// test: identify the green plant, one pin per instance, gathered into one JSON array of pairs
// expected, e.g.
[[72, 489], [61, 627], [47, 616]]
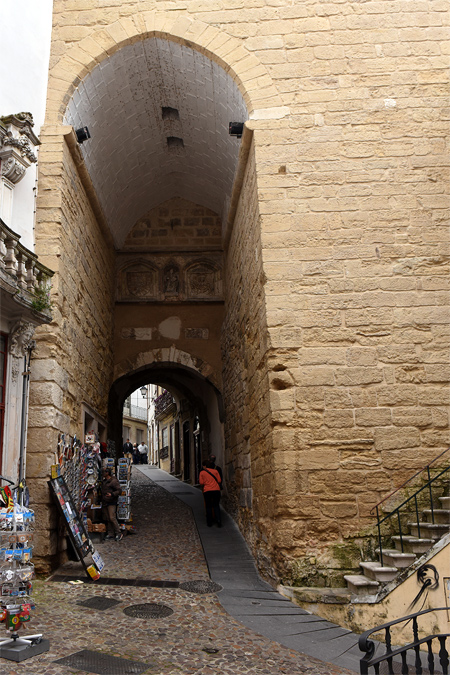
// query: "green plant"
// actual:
[[41, 301]]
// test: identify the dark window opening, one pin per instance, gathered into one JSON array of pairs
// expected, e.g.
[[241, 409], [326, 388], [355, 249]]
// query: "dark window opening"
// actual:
[[170, 113], [174, 142]]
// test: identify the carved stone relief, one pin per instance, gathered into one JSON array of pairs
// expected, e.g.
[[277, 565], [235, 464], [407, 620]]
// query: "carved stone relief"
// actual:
[[174, 278], [138, 281], [17, 143], [12, 170], [196, 333], [171, 280], [200, 281], [20, 339]]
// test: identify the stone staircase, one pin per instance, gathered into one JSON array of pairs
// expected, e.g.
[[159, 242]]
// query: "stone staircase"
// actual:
[[374, 575]]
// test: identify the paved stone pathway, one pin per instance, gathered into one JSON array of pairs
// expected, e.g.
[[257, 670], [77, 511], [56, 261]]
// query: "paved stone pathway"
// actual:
[[199, 638]]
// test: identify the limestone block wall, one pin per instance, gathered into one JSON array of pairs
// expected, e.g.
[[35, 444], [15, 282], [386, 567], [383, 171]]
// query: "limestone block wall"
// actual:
[[251, 482], [176, 225], [344, 223], [73, 360]]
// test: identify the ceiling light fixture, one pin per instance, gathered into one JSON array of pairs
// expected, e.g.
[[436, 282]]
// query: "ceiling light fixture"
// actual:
[[82, 134]]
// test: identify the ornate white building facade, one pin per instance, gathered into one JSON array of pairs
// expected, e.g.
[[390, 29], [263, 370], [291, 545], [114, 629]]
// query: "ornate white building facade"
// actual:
[[24, 282]]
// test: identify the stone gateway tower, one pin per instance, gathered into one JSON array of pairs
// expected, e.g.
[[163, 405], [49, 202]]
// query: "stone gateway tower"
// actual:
[[292, 283]]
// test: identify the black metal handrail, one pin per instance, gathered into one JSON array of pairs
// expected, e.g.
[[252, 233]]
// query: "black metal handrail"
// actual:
[[396, 512], [399, 655], [400, 487]]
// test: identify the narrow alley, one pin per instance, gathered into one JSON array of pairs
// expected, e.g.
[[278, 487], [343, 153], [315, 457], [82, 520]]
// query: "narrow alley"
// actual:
[[188, 631]]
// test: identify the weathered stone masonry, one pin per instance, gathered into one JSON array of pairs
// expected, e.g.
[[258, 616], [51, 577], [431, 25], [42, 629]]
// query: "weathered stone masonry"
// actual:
[[73, 362], [335, 338]]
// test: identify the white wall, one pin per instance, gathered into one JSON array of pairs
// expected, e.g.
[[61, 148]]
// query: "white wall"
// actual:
[[138, 400], [25, 31]]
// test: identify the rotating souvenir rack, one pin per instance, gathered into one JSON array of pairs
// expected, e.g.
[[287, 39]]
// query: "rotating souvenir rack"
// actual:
[[16, 574]]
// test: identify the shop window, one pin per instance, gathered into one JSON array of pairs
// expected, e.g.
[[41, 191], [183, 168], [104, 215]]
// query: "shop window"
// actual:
[[164, 452], [3, 361]]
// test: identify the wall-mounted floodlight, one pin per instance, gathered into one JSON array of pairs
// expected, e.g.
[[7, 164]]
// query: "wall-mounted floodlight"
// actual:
[[82, 134], [236, 129]]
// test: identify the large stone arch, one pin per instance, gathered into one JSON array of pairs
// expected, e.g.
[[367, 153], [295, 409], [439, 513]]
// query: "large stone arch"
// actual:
[[183, 375], [168, 357], [251, 76]]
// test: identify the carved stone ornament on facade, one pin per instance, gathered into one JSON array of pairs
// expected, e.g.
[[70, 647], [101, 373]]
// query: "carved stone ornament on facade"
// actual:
[[12, 169], [140, 283], [22, 144], [17, 143], [171, 280], [201, 281], [21, 338]]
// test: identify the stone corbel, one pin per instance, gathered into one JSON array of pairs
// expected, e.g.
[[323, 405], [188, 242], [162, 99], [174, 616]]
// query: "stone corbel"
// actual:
[[17, 143], [13, 169], [20, 340]]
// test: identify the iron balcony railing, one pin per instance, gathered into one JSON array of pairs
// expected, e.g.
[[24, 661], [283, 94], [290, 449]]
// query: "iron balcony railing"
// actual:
[[428, 654], [425, 491], [163, 402]]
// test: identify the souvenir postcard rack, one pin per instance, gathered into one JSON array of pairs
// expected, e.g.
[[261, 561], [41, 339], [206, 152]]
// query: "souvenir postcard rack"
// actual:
[[124, 478], [80, 465], [16, 574], [75, 528]]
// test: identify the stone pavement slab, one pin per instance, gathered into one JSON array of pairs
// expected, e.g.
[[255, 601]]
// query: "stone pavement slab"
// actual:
[[200, 637], [231, 565]]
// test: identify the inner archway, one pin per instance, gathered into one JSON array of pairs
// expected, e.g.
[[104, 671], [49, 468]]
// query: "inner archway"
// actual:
[[198, 416]]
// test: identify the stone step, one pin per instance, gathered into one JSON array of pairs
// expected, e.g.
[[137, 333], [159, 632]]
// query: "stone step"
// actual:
[[413, 544], [396, 558], [359, 584], [429, 530], [441, 516], [445, 502], [374, 571]]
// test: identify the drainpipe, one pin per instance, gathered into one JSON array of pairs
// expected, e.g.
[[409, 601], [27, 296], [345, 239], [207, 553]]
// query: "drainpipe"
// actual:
[[24, 414]]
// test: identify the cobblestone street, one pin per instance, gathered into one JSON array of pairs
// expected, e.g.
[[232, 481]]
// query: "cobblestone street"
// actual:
[[198, 638]]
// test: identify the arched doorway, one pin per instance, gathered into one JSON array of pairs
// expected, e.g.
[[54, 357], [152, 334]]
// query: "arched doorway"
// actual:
[[199, 412], [147, 232]]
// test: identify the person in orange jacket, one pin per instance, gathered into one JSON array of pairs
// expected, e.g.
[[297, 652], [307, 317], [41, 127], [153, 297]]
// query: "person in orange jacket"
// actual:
[[211, 484]]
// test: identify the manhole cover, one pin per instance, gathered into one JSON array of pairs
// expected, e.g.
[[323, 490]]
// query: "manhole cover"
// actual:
[[102, 664], [201, 586], [148, 610], [98, 602]]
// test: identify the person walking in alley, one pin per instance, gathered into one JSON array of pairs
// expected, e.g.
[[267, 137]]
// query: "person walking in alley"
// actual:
[[211, 484], [143, 452], [128, 448], [110, 494], [136, 455], [212, 458]]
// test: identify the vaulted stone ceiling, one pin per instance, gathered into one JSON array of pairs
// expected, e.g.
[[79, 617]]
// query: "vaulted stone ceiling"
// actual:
[[158, 115]]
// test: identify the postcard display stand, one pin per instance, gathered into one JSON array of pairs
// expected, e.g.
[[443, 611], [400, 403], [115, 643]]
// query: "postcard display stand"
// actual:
[[75, 528], [124, 501], [16, 573]]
